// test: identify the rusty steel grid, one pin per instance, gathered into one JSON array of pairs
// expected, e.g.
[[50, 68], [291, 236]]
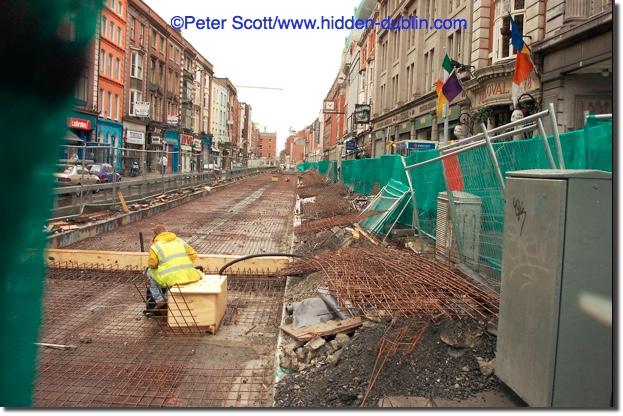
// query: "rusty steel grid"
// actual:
[[115, 357], [328, 223], [255, 300], [252, 216], [401, 336], [386, 281]]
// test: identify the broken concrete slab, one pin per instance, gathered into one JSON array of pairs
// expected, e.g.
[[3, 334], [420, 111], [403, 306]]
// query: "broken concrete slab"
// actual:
[[341, 340], [315, 343], [460, 337], [456, 352], [487, 367]]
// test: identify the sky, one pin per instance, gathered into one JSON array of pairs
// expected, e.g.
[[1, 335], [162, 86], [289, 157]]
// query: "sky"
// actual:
[[302, 62]]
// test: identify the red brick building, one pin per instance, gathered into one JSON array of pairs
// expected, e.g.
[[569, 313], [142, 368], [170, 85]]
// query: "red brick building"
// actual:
[[267, 145]]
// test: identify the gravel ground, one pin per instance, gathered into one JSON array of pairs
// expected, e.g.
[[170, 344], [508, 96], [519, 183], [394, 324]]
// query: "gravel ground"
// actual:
[[429, 371]]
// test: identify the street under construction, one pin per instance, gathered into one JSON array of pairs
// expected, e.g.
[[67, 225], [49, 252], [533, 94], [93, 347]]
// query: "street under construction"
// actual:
[[98, 350]]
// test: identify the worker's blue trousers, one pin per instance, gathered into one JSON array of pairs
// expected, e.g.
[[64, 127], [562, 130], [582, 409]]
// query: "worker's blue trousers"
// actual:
[[157, 292]]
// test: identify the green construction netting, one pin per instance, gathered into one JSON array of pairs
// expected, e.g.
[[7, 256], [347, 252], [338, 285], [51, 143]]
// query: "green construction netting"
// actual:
[[586, 148], [391, 201], [38, 101]]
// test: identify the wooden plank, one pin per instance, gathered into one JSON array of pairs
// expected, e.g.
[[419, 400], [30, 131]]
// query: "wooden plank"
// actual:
[[136, 260], [366, 235], [124, 206], [306, 333]]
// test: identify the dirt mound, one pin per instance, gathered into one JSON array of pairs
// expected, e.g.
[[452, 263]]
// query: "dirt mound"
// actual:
[[433, 370]]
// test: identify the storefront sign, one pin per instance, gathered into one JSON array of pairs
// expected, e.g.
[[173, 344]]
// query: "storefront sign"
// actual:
[[135, 137], [172, 120], [141, 108], [186, 139], [493, 91], [156, 140], [197, 145], [79, 123], [362, 113], [424, 121], [351, 146]]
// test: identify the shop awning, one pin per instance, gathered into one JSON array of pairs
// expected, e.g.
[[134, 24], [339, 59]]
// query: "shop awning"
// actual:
[[73, 137]]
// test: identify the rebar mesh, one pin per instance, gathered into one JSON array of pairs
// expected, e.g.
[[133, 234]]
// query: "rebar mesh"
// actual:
[[116, 357], [399, 283]]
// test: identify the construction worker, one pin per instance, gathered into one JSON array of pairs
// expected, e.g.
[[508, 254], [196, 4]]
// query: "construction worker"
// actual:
[[170, 263]]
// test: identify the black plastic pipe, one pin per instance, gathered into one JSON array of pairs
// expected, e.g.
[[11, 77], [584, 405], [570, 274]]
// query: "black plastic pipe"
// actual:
[[231, 263]]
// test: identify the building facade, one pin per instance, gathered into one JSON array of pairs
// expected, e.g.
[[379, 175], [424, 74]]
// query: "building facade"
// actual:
[[111, 64], [267, 145], [136, 104], [576, 58], [220, 113]]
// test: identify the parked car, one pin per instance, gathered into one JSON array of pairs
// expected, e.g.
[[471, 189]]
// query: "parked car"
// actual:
[[76, 175], [104, 171]]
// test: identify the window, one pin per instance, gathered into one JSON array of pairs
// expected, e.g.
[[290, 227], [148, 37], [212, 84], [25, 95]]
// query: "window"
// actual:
[[103, 26], [152, 70], [117, 67], [109, 114], [110, 65], [396, 34], [411, 80], [112, 4], [102, 60], [136, 69], [135, 96], [132, 27], [459, 43], [431, 69], [101, 103], [161, 44], [111, 31], [153, 38], [82, 87], [425, 89], [116, 108], [142, 38], [502, 28], [120, 8], [119, 36]]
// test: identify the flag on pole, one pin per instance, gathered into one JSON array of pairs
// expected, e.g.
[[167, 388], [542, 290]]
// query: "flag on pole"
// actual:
[[446, 70], [448, 86], [523, 62]]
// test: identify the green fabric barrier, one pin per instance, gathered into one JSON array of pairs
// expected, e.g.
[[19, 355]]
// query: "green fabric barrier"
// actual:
[[586, 148], [34, 120]]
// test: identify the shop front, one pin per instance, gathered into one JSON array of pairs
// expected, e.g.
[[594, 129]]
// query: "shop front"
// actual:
[[81, 132], [197, 156], [490, 93], [172, 142], [110, 133], [134, 146], [186, 152], [154, 146], [206, 152]]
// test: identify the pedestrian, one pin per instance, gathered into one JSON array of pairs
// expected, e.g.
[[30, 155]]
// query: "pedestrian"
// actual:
[[192, 165], [170, 263], [163, 164]]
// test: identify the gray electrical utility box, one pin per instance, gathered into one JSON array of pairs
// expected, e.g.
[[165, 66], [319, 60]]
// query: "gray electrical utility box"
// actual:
[[557, 246]]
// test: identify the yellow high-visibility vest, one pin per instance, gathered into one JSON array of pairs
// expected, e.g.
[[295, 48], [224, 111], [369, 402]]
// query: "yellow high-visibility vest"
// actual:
[[174, 265]]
